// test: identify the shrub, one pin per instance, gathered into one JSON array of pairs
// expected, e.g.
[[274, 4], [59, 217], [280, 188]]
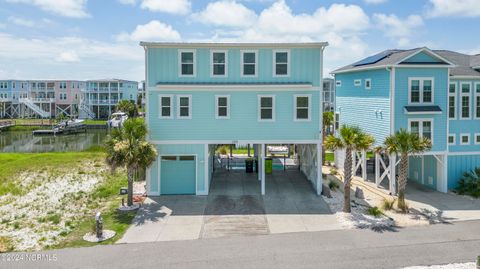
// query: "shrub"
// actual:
[[333, 185], [375, 211], [387, 204], [54, 218], [403, 206], [333, 171], [6, 244], [469, 184], [223, 150]]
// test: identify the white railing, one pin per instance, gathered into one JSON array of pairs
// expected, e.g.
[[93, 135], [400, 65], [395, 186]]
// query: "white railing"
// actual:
[[29, 103], [43, 100], [85, 109]]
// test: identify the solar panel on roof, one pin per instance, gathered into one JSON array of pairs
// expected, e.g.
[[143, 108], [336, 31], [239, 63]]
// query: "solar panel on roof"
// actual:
[[373, 59]]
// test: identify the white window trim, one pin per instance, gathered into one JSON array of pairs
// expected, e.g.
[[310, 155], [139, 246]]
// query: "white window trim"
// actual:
[[475, 138], [189, 96], [275, 63], [469, 95], [309, 96], [454, 139], [259, 109], [160, 106], [461, 140], [370, 83], [194, 63], [211, 63], [218, 117], [241, 63], [454, 95], [357, 82], [420, 126], [475, 96], [421, 81], [338, 83]]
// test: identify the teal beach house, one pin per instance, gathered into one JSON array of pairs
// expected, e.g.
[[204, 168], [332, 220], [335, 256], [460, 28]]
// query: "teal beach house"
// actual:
[[200, 95], [435, 93]]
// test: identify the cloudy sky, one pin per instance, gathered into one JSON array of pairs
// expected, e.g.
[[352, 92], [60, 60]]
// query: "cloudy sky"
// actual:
[[88, 39]]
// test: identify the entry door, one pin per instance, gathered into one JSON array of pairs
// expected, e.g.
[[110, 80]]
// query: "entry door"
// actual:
[[177, 175]]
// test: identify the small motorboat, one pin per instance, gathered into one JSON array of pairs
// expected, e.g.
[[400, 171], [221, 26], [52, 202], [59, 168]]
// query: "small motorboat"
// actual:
[[117, 119]]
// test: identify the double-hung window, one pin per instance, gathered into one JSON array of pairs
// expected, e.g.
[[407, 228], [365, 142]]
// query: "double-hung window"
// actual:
[[281, 63], [266, 108], [302, 107], [187, 63], [420, 90], [464, 139], [219, 63], [222, 106], [166, 106], [477, 100], [184, 106], [452, 94], [451, 139], [249, 63], [465, 100], [422, 127]]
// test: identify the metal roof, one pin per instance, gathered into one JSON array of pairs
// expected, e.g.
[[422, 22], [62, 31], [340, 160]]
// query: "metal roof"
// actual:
[[232, 45]]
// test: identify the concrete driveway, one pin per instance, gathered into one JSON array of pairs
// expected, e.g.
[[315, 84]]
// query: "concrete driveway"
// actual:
[[234, 207]]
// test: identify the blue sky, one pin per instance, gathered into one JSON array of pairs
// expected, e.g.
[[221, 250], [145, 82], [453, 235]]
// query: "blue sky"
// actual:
[[88, 39]]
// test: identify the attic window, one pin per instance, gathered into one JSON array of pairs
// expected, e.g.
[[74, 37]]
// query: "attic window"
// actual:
[[368, 84], [338, 83]]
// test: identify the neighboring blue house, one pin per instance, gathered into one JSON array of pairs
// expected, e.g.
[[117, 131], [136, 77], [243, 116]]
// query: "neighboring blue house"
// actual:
[[435, 93], [200, 95]]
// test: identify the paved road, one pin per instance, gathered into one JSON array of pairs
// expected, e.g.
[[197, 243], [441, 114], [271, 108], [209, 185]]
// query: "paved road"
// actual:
[[437, 244]]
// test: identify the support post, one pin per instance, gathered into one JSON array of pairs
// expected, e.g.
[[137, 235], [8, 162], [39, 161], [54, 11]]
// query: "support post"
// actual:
[[364, 164], [248, 147], [445, 174], [393, 176], [319, 169], [263, 168], [377, 169], [231, 150]]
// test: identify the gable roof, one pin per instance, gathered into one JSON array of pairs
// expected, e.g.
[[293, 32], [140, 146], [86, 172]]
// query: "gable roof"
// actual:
[[394, 57]]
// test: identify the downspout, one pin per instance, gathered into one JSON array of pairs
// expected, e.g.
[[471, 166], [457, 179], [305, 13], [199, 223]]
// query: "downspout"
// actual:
[[392, 99]]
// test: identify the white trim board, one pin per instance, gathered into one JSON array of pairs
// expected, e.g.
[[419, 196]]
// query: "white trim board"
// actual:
[[243, 142]]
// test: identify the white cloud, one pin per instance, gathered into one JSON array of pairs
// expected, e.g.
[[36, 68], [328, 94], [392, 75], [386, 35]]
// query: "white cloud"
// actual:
[[152, 31], [226, 13], [375, 2], [48, 57], [68, 57], [66, 8], [21, 21], [453, 8], [169, 6], [396, 28]]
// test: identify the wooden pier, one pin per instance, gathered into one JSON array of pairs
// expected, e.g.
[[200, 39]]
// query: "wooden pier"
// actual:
[[70, 129], [4, 124]]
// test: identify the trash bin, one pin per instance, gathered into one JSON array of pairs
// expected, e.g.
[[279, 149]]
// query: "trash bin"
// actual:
[[268, 165], [249, 165]]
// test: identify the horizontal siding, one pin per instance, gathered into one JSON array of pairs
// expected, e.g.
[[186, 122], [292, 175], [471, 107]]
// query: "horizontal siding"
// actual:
[[440, 76], [364, 113], [458, 165], [459, 126], [163, 67], [243, 123]]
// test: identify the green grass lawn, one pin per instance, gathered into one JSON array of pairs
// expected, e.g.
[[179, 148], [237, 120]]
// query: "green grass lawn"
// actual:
[[104, 196], [95, 122]]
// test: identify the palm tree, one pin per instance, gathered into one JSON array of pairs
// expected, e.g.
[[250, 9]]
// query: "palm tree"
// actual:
[[351, 139], [327, 123], [127, 147], [128, 106], [405, 143]]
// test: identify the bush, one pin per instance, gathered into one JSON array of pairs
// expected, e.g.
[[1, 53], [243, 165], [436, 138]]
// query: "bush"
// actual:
[[333, 171], [469, 184], [223, 150], [333, 185], [375, 211], [387, 204]]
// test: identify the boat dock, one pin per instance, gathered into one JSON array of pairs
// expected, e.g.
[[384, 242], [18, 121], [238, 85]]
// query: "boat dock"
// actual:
[[63, 129], [5, 124]]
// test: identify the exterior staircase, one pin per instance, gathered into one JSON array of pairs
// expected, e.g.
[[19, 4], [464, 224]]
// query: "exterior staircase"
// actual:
[[85, 112], [39, 111]]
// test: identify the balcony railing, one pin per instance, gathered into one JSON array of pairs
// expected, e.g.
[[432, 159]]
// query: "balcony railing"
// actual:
[[43, 100], [102, 102]]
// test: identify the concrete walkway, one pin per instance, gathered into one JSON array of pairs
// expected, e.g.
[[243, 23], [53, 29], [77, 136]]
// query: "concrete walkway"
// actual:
[[234, 207]]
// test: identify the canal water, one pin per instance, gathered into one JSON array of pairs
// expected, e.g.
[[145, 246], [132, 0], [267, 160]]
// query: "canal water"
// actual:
[[24, 141]]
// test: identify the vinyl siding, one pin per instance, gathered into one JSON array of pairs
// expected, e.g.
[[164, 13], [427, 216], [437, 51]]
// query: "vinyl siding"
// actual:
[[368, 109], [440, 76], [163, 67], [243, 123]]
